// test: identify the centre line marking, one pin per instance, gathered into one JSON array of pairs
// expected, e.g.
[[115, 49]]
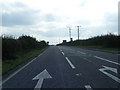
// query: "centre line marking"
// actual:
[[82, 52], [73, 67], [88, 87], [63, 53], [107, 60]]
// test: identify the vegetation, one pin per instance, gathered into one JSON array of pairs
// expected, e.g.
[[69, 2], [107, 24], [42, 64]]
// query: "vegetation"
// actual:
[[22, 57], [104, 41], [16, 51], [11, 46]]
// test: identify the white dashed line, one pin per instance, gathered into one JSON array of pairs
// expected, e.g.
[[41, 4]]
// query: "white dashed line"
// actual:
[[82, 52], [63, 53], [73, 67], [106, 60], [88, 87], [60, 49]]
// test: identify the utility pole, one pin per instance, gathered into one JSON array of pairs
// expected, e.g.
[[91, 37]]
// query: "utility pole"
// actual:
[[78, 31], [70, 33]]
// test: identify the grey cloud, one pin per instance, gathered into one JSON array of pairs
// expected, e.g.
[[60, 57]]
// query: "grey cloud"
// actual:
[[111, 21], [49, 17], [53, 18], [9, 6], [84, 3], [54, 33], [83, 22], [27, 17], [19, 4], [111, 17]]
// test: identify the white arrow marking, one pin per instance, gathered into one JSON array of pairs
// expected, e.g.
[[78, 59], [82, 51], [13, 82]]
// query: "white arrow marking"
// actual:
[[108, 74], [88, 87], [111, 69], [40, 77]]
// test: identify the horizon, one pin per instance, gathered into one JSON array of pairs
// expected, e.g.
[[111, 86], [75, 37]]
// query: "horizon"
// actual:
[[49, 20]]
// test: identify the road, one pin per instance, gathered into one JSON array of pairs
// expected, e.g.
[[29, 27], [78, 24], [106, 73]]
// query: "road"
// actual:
[[67, 67]]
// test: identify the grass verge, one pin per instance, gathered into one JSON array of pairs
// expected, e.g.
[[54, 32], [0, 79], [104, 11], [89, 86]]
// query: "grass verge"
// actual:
[[100, 47], [8, 65]]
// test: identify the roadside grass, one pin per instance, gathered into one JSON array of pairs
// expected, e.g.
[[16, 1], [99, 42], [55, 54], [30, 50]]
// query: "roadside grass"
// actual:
[[22, 57], [100, 47]]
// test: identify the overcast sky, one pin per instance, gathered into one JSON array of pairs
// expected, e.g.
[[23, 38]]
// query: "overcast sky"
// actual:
[[49, 19]]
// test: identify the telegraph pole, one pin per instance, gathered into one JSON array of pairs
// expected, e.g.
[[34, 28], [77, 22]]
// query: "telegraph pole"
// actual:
[[70, 33], [78, 31]]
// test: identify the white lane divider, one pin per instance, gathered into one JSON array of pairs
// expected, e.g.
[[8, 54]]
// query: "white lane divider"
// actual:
[[88, 87], [82, 52], [73, 67], [63, 53], [59, 48], [107, 60]]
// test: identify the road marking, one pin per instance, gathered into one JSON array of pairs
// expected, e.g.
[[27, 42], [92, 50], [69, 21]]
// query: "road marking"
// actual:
[[82, 52], [107, 60], [73, 67], [78, 74], [63, 53], [110, 75], [60, 49], [88, 87], [19, 70], [111, 69], [40, 77]]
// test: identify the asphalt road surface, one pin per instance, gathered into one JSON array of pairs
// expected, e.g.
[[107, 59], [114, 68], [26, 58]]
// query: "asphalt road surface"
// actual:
[[67, 67]]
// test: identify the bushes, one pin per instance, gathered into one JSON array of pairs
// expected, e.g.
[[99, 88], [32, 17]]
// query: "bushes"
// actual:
[[12, 46], [107, 41], [9, 48]]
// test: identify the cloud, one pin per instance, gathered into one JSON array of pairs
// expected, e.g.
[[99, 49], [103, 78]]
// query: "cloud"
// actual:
[[111, 21], [49, 20], [49, 17], [19, 15], [26, 17]]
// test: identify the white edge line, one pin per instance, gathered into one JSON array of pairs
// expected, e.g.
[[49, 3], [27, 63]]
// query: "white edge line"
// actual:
[[18, 70], [73, 67], [106, 60], [88, 87]]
